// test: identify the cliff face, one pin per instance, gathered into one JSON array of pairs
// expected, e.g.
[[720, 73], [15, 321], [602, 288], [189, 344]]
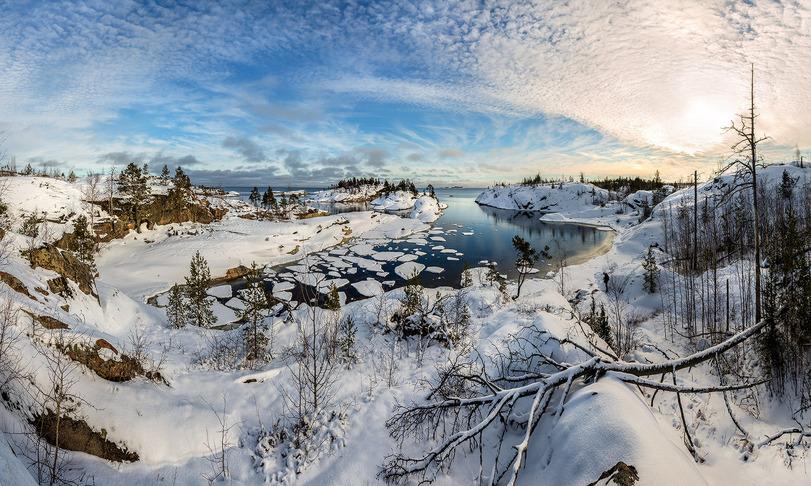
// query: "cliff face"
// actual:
[[66, 265], [177, 206]]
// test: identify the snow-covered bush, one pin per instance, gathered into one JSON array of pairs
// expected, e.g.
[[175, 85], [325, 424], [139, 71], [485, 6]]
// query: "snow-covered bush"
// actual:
[[283, 452]]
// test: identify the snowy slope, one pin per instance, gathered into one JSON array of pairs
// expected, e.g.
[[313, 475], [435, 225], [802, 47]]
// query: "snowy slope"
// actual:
[[561, 197], [338, 195]]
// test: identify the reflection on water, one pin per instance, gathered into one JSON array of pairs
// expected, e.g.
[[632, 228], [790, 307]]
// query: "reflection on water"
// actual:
[[478, 233], [494, 229]]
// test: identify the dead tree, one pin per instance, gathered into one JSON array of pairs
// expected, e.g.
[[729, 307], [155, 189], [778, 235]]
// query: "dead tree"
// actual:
[[469, 399], [745, 162]]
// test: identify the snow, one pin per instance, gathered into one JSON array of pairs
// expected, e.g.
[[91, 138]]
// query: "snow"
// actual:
[[387, 256], [608, 412], [339, 195], [220, 291], [566, 196], [368, 287], [142, 269], [603, 422], [408, 269]]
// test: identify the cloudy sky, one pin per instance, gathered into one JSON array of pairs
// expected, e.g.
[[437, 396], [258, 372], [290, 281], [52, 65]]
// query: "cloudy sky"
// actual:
[[471, 93]]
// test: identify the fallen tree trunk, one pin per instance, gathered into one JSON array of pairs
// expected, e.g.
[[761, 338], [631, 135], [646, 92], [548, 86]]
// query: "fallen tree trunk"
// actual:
[[466, 401]]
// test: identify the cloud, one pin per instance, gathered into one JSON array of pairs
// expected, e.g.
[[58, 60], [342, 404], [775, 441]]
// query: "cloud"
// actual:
[[374, 157], [605, 66], [122, 158], [155, 161], [160, 159], [45, 164], [450, 153], [368, 87], [245, 147]]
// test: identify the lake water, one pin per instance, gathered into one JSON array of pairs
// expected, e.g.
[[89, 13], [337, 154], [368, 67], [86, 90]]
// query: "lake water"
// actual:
[[465, 235]]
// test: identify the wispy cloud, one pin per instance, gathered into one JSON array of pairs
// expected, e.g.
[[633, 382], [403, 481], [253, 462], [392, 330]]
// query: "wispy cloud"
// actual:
[[289, 90]]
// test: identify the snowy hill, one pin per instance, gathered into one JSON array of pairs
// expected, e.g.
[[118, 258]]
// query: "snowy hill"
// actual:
[[560, 197], [363, 193], [423, 207], [172, 397]]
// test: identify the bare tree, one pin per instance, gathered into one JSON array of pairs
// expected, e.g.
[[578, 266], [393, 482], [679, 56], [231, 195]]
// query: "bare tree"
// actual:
[[746, 161], [92, 193], [467, 400], [57, 401], [110, 184], [314, 372], [218, 449], [9, 334]]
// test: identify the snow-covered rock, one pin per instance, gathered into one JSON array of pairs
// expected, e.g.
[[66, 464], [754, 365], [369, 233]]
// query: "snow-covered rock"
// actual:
[[566, 196], [363, 193], [427, 209], [424, 208]]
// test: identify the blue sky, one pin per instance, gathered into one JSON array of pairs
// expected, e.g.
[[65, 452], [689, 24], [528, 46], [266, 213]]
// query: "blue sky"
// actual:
[[469, 93]]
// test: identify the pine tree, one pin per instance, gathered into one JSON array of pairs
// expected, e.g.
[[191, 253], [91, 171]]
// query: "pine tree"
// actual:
[[84, 241], [254, 197], [72, 176], [199, 305], [333, 301], [498, 281], [346, 340], [176, 307], [165, 174], [527, 257], [270, 198], [651, 282], [256, 305], [181, 180], [467, 278], [30, 225], [787, 185], [787, 306], [132, 182]]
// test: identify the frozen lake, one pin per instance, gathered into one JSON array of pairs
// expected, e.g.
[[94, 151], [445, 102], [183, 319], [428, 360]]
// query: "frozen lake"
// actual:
[[466, 234]]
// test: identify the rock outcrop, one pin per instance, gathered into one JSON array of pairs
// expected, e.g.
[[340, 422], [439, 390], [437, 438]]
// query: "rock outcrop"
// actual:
[[66, 265], [77, 435]]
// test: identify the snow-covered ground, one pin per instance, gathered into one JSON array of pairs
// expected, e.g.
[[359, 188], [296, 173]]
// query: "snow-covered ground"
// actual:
[[421, 207], [173, 427], [363, 193], [563, 202]]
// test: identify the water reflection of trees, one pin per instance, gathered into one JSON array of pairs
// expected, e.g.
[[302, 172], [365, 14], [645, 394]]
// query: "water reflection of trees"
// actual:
[[528, 224]]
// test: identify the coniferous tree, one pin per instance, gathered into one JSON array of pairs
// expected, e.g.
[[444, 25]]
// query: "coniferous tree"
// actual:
[[346, 340], [256, 306], [787, 185], [270, 199], [165, 174], [254, 197], [72, 176], [527, 257], [651, 282], [176, 307], [181, 180], [84, 241], [787, 307], [333, 301], [599, 323], [199, 305], [132, 182]]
